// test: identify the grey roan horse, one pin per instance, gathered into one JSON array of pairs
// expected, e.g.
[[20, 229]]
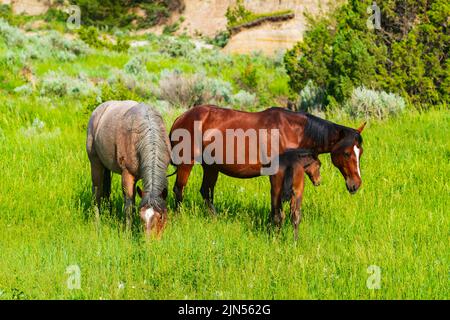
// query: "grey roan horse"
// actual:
[[129, 138]]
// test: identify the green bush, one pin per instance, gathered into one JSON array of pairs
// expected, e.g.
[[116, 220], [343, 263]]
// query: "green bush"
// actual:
[[220, 39], [117, 13], [91, 36], [106, 92], [172, 28], [249, 76], [238, 15], [6, 13], [155, 12], [409, 56], [54, 14]]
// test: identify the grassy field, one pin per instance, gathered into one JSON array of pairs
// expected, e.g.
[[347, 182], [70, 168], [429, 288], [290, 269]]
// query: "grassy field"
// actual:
[[398, 221]]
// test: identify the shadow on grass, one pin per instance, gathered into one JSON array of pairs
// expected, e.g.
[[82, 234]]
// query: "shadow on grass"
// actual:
[[111, 212], [253, 213]]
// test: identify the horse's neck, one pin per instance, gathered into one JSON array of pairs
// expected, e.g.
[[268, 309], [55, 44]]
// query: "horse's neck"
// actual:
[[324, 146]]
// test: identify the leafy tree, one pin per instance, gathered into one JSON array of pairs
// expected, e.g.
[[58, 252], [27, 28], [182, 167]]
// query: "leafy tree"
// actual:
[[408, 55], [117, 13]]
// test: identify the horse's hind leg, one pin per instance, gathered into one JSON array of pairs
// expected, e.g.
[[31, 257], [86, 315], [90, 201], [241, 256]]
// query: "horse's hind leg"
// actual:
[[207, 189], [183, 172], [129, 195], [97, 170], [107, 186], [97, 175]]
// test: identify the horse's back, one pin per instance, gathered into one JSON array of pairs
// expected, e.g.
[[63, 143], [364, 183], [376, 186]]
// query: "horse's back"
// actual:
[[212, 116], [104, 113], [105, 132]]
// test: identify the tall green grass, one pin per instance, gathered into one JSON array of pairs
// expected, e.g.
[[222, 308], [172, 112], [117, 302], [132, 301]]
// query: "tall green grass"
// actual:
[[398, 221]]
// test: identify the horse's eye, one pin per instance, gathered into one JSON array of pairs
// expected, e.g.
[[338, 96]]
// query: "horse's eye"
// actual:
[[347, 154]]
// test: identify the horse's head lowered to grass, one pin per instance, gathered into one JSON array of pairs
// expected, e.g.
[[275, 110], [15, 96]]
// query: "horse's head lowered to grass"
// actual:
[[153, 212], [343, 143]]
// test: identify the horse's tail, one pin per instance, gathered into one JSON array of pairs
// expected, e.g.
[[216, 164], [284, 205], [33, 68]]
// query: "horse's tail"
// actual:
[[286, 191]]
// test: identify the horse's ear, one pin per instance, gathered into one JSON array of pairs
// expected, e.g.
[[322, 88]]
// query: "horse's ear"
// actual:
[[361, 128], [139, 191]]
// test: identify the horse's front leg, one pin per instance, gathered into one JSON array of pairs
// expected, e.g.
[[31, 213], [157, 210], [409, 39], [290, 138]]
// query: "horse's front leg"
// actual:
[[276, 184], [183, 172], [296, 213], [296, 201], [207, 189], [129, 195]]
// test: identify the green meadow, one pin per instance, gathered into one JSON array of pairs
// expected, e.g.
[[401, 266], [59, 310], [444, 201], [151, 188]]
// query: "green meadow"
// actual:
[[388, 241], [398, 221]]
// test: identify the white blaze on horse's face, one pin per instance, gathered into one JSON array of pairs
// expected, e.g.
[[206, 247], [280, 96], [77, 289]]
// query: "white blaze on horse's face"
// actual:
[[149, 213], [357, 152]]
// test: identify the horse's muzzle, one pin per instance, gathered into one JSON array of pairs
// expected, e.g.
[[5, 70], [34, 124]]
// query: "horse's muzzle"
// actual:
[[352, 187]]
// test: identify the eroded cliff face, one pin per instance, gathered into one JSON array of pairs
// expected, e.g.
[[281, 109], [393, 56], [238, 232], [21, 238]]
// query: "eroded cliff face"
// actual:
[[207, 17], [30, 7]]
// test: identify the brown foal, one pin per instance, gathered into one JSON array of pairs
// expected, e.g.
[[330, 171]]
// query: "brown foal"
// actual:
[[289, 181]]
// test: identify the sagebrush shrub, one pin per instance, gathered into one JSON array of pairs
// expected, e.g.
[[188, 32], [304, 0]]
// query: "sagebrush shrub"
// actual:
[[244, 100], [13, 36], [25, 89], [41, 46], [59, 84], [211, 58], [312, 99], [183, 90], [366, 103], [176, 47], [135, 66], [180, 90], [135, 77]]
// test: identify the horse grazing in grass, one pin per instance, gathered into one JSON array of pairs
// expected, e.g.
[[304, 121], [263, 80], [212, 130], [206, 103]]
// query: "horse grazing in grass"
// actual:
[[295, 130], [129, 138], [288, 183]]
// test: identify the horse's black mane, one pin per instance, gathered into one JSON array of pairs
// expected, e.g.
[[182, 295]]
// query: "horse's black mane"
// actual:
[[321, 131]]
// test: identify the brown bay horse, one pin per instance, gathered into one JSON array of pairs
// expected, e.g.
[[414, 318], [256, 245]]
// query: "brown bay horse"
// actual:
[[295, 130], [288, 183], [129, 138]]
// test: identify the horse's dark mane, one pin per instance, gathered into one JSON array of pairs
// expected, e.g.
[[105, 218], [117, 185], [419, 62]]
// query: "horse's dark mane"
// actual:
[[319, 130], [322, 131], [291, 156]]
